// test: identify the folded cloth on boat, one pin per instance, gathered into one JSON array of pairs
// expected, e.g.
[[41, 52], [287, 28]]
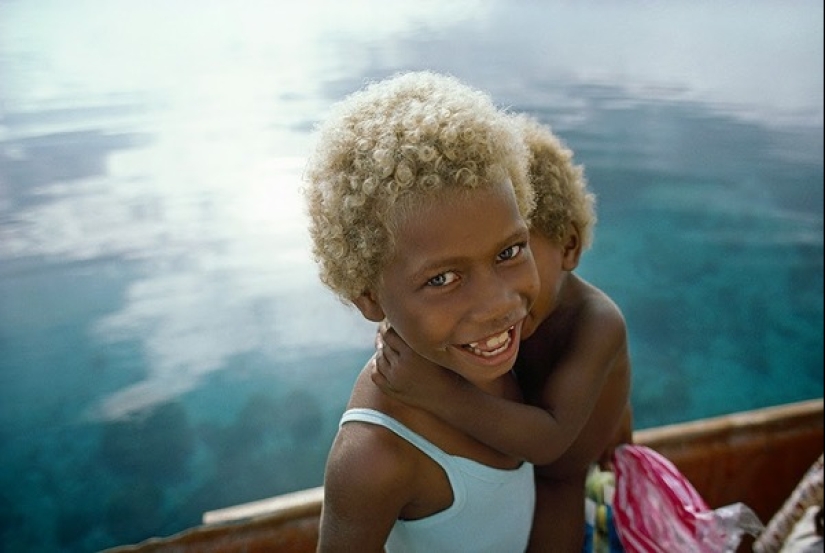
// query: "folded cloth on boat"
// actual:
[[808, 493], [806, 536]]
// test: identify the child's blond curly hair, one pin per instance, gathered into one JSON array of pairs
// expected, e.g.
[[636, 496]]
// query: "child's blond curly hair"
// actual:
[[561, 192], [388, 147]]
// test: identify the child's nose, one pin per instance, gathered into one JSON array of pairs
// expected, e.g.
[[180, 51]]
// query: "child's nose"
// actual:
[[497, 303]]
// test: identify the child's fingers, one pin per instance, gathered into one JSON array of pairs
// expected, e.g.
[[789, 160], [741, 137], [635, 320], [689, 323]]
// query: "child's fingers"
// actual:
[[383, 358], [377, 377], [378, 369], [383, 350], [392, 341], [387, 356]]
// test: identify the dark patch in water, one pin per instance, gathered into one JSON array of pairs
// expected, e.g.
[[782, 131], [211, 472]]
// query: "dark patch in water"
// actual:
[[134, 511], [155, 446]]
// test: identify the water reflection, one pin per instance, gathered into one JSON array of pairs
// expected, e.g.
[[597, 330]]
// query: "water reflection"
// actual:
[[156, 290]]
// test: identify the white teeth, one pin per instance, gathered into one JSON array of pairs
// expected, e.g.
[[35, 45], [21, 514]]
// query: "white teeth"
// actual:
[[494, 345], [493, 342]]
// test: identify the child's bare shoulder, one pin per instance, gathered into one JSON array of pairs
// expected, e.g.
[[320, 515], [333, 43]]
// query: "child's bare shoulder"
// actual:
[[599, 313], [371, 459], [368, 480]]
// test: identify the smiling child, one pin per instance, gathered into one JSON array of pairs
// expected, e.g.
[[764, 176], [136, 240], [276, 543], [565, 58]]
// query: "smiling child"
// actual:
[[418, 197]]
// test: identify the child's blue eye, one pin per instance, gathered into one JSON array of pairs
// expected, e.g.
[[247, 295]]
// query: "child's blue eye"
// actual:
[[511, 252], [443, 279]]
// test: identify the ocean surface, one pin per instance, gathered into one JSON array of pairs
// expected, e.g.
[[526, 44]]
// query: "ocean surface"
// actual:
[[165, 346]]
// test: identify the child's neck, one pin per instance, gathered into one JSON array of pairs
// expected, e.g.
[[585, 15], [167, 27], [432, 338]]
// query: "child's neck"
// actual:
[[505, 386]]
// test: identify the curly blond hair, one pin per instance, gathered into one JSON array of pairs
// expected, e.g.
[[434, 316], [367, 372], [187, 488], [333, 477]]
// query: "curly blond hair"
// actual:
[[561, 192], [387, 148]]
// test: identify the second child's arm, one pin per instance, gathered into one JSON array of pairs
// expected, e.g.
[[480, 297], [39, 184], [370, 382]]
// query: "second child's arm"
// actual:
[[623, 435], [538, 434], [511, 427]]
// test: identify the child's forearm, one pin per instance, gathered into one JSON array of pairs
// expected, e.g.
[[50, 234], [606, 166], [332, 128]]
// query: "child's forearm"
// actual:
[[523, 431]]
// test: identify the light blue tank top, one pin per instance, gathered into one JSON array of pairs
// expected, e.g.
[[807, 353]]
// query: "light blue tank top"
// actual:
[[492, 509]]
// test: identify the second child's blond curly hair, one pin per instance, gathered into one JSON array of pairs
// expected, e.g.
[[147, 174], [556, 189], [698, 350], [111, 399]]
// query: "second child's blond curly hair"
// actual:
[[561, 192], [389, 147]]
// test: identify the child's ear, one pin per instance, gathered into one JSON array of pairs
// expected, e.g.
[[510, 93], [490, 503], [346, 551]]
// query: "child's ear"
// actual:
[[572, 248], [369, 306]]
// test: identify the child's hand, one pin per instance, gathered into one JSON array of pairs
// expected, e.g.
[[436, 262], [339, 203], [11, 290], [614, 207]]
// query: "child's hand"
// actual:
[[404, 375]]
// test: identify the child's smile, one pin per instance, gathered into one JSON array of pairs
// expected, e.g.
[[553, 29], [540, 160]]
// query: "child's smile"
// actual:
[[493, 345]]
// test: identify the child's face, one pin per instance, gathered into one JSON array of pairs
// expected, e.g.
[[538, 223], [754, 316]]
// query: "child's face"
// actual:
[[460, 283]]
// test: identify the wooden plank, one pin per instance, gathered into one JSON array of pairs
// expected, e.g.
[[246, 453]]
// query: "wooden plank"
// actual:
[[303, 501], [755, 457]]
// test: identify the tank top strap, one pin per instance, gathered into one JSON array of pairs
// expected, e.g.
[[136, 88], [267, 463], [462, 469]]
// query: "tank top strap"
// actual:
[[382, 419]]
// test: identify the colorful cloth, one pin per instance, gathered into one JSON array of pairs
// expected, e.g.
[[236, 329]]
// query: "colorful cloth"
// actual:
[[600, 528]]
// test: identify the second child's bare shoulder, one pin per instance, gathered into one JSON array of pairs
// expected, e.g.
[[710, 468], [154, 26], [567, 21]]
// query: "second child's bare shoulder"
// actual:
[[600, 315]]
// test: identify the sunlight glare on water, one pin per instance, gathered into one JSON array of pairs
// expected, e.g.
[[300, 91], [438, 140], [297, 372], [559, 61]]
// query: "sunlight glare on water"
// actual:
[[205, 196]]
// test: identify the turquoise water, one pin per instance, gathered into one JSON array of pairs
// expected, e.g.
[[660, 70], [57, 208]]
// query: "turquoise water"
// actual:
[[165, 347]]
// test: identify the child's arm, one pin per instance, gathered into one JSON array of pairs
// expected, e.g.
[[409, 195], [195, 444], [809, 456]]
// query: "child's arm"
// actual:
[[623, 435], [366, 484], [539, 434], [508, 426]]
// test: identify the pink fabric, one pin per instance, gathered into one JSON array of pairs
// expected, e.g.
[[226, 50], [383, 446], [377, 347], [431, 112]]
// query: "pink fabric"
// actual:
[[656, 508]]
